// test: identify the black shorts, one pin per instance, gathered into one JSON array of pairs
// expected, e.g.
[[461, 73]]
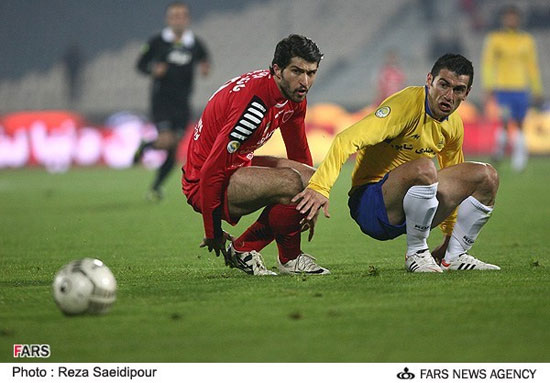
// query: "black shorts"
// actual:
[[170, 114]]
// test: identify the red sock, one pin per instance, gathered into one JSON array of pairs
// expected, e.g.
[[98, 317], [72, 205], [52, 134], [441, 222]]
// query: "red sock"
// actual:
[[284, 221], [257, 236]]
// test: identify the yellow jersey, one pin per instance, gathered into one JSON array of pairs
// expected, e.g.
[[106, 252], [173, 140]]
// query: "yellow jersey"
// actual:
[[509, 62], [399, 131]]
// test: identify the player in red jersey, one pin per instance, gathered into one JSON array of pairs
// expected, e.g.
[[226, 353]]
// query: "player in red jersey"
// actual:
[[223, 180]]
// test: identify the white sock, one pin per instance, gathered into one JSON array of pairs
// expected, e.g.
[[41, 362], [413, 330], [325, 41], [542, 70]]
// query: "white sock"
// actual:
[[501, 139], [419, 204], [472, 215], [520, 153]]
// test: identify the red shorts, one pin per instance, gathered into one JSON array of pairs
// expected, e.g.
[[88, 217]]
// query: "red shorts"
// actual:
[[191, 189]]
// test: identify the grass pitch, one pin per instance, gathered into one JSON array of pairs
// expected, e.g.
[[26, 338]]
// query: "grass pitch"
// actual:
[[178, 303]]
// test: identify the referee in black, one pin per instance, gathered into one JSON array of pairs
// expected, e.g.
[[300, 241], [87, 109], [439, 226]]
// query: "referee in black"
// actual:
[[170, 59]]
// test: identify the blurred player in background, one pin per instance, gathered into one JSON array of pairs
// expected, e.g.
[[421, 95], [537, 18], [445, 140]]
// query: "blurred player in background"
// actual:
[[73, 63], [170, 59], [391, 77], [396, 187], [511, 75], [223, 180]]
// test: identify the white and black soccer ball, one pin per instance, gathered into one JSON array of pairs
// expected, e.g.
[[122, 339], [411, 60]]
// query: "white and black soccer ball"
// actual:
[[84, 286]]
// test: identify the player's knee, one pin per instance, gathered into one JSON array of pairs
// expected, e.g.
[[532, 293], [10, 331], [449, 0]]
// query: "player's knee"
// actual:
[[166, 141], [487, 181], [490, 179], [306, 173], [291, 184], [424, 172], [162, 144]]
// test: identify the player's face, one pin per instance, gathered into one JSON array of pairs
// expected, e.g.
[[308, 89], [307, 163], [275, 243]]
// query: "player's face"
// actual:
[[510, 20], [177, 18], [446, 92], [296, 78]]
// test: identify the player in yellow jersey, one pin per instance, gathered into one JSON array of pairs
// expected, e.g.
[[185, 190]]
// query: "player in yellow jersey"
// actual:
[[396, 187], [510, 74]]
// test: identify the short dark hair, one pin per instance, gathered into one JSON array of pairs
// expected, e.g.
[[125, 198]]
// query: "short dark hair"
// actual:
[[510, 8], [455, 63], [295, 46], [176, 4]]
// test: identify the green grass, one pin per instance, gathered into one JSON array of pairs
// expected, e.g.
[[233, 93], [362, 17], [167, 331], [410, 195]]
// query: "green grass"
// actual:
[[178, 303]]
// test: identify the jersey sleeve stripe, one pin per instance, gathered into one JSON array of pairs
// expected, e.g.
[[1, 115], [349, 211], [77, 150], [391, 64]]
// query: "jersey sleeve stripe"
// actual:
[[249, 121], [243, 130], [252, 118], [259, 106], [256, 112], [247, 124], [238, 136]]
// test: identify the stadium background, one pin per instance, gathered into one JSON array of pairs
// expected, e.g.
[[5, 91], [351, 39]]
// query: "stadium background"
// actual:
[[107, 37]]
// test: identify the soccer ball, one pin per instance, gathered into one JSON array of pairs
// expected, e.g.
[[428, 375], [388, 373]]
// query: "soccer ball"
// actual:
[[84, 286]]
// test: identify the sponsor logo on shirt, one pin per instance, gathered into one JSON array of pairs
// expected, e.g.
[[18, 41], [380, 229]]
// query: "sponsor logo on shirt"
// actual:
[[179, 58]]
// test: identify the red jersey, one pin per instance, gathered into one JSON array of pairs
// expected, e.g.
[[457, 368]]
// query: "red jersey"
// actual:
[[390, 80], [238, 119]]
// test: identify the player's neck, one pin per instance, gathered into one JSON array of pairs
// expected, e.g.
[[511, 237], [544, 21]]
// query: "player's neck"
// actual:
[[178, 35]]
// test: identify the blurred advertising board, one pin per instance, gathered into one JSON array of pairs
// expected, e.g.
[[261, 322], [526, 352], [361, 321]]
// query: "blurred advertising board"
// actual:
[[59, 139]]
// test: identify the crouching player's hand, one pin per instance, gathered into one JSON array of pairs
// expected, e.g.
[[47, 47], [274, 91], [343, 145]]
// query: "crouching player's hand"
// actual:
[[309, 225], [309, 202], [217, 244]]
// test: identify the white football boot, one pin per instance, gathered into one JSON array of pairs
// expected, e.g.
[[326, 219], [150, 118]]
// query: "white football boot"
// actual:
[[422, 262], [303, 264], [467, 262], [251, 262]]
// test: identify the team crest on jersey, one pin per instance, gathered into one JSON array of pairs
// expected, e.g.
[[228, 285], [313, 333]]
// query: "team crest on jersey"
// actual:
[[382, 112], [233, 146], [286, 115]]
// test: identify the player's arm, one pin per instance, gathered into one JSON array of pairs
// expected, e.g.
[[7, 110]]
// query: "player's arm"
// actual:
[[213, 176], [297, 149], [488, 66], [316, 195], [294, 137], [533, 71], [203, 56], [213, 180], [212, 183], [451, 155], [204, 67], [369, 131], [147, 63], [145, 59]]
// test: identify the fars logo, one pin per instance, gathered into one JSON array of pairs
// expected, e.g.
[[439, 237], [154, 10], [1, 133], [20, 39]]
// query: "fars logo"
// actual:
[[405, 374], [31, 351]]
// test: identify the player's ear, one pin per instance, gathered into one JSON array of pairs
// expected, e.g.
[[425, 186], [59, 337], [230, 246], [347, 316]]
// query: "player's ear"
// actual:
[[277, 71], [429, 79]]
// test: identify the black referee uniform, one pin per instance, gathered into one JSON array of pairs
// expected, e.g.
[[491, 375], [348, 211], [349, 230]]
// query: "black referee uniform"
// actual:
[[170, 93]]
